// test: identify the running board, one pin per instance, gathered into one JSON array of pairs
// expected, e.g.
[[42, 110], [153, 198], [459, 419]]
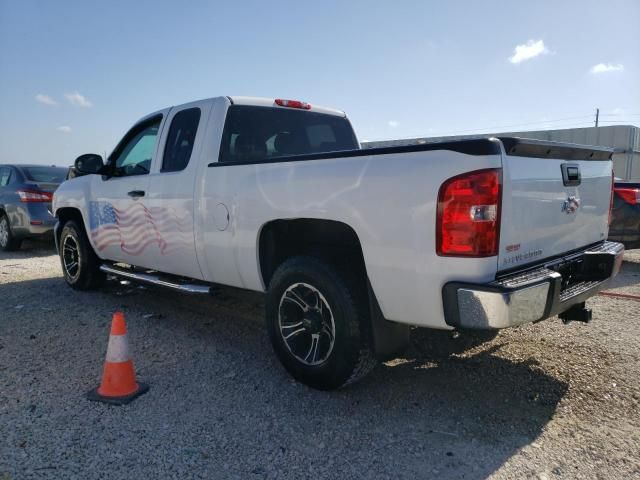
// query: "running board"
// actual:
[[155, 279]]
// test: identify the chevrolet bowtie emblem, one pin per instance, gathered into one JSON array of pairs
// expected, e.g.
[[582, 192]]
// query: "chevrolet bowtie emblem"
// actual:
[[571, 205]]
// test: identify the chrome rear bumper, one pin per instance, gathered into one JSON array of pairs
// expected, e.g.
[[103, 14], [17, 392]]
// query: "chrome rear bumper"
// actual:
[[535, 294]]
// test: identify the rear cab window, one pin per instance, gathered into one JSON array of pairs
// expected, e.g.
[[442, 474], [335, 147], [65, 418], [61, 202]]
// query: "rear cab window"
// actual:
[[259, 134]]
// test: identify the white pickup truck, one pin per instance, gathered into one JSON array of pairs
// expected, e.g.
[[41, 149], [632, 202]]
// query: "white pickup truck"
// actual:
[[351, 247]]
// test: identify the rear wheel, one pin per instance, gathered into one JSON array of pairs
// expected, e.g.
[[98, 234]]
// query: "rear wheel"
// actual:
[[8, 242], [80, 264], [314, 319]]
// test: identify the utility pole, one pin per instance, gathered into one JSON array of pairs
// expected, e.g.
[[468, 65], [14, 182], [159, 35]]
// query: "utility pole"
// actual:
[[597, 115]]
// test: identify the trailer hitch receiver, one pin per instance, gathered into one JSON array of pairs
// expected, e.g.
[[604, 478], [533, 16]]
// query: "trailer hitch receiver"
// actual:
[[577, 313]]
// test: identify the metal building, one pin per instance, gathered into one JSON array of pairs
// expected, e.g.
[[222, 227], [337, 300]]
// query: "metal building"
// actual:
[[625, 139]]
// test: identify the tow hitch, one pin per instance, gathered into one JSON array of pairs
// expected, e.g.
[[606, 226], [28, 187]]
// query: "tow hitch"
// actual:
[[577, 313]]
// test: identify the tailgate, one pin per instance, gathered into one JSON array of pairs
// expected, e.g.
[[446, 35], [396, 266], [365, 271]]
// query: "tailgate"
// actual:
[[556, 199]]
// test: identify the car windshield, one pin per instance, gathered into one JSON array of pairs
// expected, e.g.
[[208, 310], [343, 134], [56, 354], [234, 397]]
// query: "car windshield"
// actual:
[[255, 134], [45, 174]]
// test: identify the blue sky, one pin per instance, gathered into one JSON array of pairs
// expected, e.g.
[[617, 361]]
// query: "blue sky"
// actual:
[[74, 75]]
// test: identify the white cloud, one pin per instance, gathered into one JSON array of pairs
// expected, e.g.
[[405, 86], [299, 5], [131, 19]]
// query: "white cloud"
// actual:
[[78, 100], [45, 99], [393, 123], [607, 67], [527, 51], [64, 129]]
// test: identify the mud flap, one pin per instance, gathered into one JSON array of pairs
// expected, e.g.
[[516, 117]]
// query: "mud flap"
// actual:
[[388, 339]]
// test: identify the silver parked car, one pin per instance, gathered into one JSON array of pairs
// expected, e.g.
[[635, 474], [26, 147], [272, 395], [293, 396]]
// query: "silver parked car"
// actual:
[[26, 192]]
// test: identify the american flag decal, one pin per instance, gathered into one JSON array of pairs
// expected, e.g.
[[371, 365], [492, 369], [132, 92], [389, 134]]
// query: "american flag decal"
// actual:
[[136, 227]]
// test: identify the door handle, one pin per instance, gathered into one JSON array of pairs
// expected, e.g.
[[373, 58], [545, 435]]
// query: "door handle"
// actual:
[[136, 193], [571, 176]]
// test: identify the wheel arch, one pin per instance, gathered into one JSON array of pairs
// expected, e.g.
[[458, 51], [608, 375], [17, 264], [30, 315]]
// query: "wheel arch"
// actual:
[[280, 239], [338, 243], [64, 215]]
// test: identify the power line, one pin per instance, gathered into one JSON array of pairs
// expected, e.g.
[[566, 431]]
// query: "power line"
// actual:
[[554, 123], [542, 122], [488, 130], [563, 123], [618, 121]]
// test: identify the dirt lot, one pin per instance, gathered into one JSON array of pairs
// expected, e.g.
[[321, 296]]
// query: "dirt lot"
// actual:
[[543, 401]]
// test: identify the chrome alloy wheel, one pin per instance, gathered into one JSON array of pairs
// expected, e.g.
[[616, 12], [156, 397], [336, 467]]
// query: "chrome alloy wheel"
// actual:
[[306, 324], [4, 232], [71, 257]]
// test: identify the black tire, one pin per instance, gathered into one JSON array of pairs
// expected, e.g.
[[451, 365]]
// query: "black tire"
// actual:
[[350, 357], [8, 243], [86, 275]]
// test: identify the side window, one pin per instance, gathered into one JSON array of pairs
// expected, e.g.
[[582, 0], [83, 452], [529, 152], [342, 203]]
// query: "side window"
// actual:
[[134, 153], [5, 174], [182, 134]]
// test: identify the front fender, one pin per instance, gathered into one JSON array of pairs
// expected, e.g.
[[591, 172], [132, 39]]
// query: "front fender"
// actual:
[[74, 193], [73, 197]]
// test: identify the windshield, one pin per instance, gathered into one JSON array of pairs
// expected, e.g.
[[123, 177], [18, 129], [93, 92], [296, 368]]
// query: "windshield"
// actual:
[[256, 134], [45, 174]]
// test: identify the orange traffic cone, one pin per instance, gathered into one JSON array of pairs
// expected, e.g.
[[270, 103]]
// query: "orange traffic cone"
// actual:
[[119, 384]]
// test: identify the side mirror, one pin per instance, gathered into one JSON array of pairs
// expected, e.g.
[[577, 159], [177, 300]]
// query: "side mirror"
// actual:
[[88, 164]]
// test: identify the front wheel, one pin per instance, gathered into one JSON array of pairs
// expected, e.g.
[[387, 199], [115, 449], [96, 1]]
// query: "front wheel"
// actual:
[[314, 318], [80, 264]]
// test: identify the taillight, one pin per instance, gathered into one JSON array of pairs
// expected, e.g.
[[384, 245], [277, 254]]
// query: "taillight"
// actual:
[[29, 196], [629, 195], [293, 104], [468, 218]]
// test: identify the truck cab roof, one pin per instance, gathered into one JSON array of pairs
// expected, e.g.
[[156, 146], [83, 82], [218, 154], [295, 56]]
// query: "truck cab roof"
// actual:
[[251, 101], [271, 102]]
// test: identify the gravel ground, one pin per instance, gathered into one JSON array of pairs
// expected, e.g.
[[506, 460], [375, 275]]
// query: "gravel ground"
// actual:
[[542, 401]]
